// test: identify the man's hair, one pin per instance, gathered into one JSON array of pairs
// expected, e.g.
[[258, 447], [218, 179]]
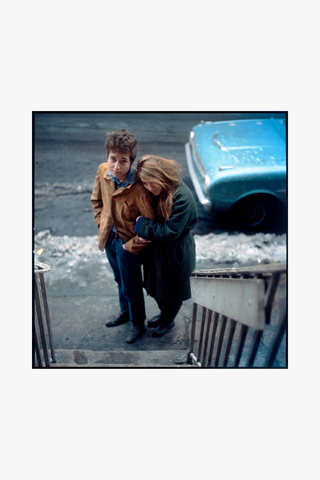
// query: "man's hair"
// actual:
[[122, 141]]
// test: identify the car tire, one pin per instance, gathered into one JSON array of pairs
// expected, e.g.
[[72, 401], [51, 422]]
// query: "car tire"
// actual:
[[254, 211]]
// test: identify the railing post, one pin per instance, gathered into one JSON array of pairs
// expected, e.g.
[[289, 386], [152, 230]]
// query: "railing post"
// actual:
[[204, 313], [278, 335], [39, 270], [223, 327], [193, 330], [46, 309], [207, 337], [213, 336], [40, 322]]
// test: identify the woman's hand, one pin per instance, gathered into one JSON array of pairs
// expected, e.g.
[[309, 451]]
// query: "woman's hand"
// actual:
[[142, 240]]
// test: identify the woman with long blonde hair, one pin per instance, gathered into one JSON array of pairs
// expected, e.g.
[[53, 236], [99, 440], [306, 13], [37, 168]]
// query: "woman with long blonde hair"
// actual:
[[170, 257]]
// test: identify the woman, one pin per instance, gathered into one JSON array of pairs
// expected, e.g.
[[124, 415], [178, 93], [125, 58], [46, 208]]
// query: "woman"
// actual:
[[117, 198], [170, 257]]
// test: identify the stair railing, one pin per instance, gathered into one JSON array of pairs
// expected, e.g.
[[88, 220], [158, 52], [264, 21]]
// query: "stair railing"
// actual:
[[40, 327], [246, 297]]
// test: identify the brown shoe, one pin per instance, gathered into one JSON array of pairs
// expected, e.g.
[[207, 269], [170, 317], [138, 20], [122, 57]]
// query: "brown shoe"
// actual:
[[122, 317]]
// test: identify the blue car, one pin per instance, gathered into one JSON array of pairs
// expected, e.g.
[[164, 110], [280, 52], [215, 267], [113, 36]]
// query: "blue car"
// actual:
[[240, 167]]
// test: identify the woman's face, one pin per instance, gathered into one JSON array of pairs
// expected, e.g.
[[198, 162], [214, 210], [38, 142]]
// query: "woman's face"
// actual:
[[119, 164], [153, 187]]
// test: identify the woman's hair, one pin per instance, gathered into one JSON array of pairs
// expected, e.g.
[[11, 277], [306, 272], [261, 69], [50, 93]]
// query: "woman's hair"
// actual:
[[164, 172], [123, 141]]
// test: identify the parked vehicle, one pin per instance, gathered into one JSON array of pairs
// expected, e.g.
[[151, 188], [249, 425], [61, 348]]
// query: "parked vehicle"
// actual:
[[240, 167]]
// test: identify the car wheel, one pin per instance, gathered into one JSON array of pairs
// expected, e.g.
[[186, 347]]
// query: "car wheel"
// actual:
[[253, 211]]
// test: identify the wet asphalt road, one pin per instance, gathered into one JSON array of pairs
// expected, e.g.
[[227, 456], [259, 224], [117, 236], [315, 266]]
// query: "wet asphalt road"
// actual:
[[68, 148]]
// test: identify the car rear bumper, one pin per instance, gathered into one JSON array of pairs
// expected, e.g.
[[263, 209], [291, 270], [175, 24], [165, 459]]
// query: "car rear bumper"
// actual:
[[205, 202]]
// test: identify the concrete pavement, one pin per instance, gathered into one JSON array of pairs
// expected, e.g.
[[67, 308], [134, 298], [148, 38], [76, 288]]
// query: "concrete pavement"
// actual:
[[80, 301]]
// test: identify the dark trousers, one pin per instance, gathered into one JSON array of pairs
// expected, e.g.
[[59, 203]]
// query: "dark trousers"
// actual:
[[169, 310], [126, 267]]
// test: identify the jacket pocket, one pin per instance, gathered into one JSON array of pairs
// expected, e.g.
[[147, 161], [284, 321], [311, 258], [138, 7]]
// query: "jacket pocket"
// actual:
[[129, 212]]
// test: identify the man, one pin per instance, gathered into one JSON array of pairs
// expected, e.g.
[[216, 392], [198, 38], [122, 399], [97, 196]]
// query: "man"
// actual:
[[118, 198]]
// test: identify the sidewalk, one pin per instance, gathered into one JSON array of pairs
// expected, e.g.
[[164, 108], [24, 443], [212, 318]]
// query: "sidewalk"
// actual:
[[81, 300]]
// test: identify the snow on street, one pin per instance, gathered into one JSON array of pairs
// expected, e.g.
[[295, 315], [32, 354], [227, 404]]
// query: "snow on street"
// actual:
[[212, 249], [240, 249]]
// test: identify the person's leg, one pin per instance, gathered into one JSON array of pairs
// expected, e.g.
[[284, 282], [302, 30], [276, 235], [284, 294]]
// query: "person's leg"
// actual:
[[155, 321], [169, 311], [123, 315], [131, 284]]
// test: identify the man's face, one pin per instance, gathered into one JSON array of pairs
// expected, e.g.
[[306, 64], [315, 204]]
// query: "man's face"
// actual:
[[119, 164]]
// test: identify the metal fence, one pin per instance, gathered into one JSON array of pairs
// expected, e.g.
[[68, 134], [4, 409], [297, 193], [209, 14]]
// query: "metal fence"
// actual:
[[237, 306], [42, 333]]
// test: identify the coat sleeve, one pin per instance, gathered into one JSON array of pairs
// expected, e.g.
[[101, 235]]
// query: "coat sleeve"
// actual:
[[169, 231], [96, 199], [134, 245]]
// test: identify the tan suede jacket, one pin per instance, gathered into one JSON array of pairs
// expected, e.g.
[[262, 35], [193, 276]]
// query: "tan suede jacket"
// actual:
[[120, 207]]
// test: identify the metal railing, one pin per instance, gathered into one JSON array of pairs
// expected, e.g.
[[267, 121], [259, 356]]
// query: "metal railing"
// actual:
[[245, 296], [40, 348]]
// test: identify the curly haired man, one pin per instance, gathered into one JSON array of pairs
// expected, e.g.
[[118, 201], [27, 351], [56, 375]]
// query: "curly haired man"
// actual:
[[118, 198]]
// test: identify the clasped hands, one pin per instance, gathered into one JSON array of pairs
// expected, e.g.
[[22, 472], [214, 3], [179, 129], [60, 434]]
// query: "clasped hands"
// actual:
[[142, 240]]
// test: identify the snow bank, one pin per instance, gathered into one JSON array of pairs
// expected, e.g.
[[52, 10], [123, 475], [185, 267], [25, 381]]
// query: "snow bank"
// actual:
[[211, 249], [240, 249]]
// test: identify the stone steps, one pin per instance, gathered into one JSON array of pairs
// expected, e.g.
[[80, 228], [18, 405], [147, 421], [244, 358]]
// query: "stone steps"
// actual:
[[120, 359]]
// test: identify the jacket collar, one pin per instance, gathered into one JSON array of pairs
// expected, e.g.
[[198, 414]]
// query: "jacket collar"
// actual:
[[107, 177], [132, 173], [130, 178]]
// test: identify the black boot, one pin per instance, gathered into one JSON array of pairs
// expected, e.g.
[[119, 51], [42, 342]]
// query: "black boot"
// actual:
[[162, 328], [169, 312], [155, 321], [134, 332], [122, 317]]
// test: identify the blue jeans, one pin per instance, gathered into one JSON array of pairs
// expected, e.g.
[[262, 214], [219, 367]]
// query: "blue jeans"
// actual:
[[126, 267]]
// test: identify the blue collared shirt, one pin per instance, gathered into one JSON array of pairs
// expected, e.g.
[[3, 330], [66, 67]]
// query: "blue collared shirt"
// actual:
[[128, 181]]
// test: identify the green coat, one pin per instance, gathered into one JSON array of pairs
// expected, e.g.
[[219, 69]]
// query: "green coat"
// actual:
[[171, 257]]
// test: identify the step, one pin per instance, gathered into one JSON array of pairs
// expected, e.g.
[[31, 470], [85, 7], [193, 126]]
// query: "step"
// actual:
[[121, 359]]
